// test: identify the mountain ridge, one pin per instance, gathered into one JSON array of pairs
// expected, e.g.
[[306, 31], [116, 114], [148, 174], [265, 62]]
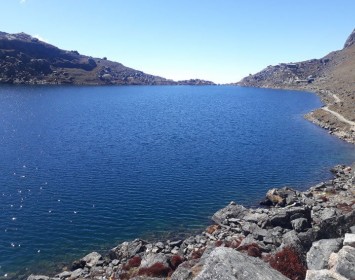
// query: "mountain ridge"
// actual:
[[27, 60]]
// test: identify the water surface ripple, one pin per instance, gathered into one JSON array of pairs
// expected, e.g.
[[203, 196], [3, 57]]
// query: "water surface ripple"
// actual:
[[83, 168]]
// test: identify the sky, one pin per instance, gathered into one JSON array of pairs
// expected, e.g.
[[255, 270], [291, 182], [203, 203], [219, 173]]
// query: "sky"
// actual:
[[217, 40]]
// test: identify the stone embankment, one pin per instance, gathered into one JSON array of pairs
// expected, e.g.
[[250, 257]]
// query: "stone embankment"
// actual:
[[295, 231]]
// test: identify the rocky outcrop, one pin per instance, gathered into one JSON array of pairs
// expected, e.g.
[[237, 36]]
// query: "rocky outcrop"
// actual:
[[27, 60], [300, 228], [351, 40], [331, 77]]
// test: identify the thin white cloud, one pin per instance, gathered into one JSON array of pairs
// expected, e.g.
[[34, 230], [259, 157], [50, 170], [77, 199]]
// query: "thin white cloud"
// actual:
[[40, 38], [23, 1]]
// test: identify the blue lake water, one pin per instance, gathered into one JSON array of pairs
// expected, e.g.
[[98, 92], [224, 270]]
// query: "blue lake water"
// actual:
[[84, 168]]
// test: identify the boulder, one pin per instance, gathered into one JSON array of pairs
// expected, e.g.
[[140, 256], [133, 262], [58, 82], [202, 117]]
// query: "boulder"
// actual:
[[77, 273], [283, 216], [257, 218], [106, 77], [185, 271], [345, 262], [254, 229], [349, 240], [151, 259], [300, 224], [336, 225], [37, 277], [323, 275], [91, 259], [248, 240], [231, 211], [273, 236], [280, 218], [308, 237], [64, 275], [280, 197], [128, 250], [78, 264], [291, 239], [318, 255], [226, 263], [327, 213]]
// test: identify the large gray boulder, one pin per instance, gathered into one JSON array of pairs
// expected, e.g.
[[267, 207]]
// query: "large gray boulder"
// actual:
[[349, 239], [91, 259], [300, 224], [37, 277], [128, 250], [318, 255], [231, 211], [345, 262], [151, 259], [323, 274], [228, 264]]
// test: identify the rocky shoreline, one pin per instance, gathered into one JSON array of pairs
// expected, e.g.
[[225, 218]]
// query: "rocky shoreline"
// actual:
[[292, 232]]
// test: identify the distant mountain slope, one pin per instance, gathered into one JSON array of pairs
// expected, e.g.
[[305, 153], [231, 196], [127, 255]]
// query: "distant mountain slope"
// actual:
[[332, 77], [27, 60]]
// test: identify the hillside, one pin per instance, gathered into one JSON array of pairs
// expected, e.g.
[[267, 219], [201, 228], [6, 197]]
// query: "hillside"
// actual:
[[27, 60], [331, 77]]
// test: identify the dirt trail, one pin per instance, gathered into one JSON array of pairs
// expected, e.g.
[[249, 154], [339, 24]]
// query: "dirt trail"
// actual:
[[340, 117], [336, 98]]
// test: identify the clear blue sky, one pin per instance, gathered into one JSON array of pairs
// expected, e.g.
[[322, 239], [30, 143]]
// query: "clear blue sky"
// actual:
[[219, 40]]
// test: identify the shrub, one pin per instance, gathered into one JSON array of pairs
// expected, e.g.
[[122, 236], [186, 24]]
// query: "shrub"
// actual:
[[123, 276], [346, 208], [289, 263], [252, 250], [156, 270], [133, 262], [175, 261], [196, 254]]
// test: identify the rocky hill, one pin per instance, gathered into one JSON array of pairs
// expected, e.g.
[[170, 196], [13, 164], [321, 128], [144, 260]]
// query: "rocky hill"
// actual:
[[332, 77], [27, 60]]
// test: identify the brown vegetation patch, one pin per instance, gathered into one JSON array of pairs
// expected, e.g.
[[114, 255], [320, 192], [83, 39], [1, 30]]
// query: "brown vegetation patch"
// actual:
[[156, 270], [175, 261], [289, 263], [196, 254], [324, 198], [346, 208], [133, 262], [252, 250]]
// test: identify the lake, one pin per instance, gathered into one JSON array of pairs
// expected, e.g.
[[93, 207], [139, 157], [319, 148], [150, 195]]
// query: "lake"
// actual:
[[84, 168]]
